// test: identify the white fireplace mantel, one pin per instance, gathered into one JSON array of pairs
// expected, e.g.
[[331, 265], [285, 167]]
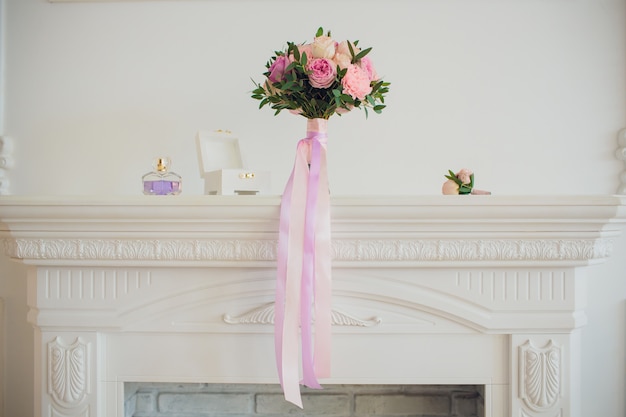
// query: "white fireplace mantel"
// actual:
[[426, 290]]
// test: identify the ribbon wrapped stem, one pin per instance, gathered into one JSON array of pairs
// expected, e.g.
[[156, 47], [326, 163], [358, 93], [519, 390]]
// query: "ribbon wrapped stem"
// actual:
[[303, 284]]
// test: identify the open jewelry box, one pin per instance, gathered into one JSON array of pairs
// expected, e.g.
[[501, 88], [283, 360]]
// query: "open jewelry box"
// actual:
[[221, 166]]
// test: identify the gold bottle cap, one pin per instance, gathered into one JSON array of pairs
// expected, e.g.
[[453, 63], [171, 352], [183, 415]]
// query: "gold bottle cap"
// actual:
[[162, 164]]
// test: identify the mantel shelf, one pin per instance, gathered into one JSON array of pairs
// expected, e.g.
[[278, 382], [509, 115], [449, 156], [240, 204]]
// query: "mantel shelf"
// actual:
[[416, 230]]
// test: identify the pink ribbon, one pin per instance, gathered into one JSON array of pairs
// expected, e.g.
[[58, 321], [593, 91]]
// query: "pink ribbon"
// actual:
[[303, 284]]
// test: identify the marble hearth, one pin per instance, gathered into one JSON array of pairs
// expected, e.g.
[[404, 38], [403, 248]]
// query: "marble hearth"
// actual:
[[485, 290]]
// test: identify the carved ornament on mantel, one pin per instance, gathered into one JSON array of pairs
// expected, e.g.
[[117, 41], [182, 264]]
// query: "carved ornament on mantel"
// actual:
[[345, 250], [265, 315], [196, 231]]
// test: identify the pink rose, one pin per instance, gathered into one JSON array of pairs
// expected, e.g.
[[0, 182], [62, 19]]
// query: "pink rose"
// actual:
[[450, 188], [323, 47], [356, 82], [366, 64], [277, 69], [464, 176], [323, 72]]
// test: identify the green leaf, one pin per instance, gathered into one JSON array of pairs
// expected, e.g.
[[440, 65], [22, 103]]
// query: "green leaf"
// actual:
[[293, 49], [378, 109], [376, 87], [320, 32], [362, 54], [351, 51], [347, 99]]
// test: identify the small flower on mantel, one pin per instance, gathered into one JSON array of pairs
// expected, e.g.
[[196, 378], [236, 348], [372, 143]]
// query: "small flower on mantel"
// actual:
[[461, 183]]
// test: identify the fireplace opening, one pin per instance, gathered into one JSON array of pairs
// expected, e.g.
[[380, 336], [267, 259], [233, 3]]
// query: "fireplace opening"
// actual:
[[155, 399]]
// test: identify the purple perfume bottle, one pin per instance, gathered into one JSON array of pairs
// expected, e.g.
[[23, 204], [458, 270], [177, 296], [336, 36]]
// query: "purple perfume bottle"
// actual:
[[161, 181]]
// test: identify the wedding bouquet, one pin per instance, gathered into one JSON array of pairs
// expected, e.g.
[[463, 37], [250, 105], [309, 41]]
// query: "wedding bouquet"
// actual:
[[319, 79], [315, 80]]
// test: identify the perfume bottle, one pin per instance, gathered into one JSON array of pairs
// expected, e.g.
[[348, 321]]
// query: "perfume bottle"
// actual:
[[161, 181]]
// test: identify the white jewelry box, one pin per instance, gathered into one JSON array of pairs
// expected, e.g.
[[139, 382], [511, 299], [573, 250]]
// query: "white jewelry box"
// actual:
[[222, 168]]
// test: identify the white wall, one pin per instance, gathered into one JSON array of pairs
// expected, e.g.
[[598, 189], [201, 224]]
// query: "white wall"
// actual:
[[530, 94]]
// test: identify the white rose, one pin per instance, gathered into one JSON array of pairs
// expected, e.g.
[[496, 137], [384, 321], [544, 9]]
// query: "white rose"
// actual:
[[323, 47], [342, 60], [343, 48]]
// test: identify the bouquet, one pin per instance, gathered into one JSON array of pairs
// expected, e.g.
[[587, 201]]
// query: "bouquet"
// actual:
[[319, 79], [315, 80], [461, 183]]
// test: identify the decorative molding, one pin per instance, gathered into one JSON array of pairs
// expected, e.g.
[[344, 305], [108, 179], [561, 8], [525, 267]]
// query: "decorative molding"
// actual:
[[339, 318], [87, 285], [361, 250], [142, 249], [540, 376], [531, 286], [265, 315], [425, 250], [68, 376], [6, 163], [260, 315]]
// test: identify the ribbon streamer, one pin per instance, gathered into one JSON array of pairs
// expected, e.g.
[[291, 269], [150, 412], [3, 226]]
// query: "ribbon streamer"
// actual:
[[303, 284]]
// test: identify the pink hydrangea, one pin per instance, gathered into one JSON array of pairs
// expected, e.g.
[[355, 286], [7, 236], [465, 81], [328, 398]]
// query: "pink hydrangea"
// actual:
[[356, 82], [323, 72]]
